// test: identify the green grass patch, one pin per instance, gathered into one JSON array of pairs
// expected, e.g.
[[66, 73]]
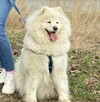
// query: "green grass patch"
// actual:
[[85, 78]]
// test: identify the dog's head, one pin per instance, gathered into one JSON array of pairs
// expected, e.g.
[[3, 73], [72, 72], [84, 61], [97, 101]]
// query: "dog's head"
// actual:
[[49, 25]]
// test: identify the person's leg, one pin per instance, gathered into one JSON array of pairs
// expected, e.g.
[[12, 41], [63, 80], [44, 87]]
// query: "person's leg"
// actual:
[[5, 49], [5, 46]]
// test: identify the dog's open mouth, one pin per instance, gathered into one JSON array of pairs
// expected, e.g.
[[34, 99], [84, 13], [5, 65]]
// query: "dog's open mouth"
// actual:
[[52, 35]]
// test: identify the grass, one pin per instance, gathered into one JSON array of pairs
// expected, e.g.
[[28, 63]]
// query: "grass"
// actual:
[[84, 71], [84, 77], [16, 39]]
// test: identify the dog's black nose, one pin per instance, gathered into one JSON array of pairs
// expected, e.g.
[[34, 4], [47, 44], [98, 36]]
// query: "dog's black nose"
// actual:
[[55, 28]]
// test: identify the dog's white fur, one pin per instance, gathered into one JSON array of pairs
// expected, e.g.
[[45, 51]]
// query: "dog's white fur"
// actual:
[[32, 77]]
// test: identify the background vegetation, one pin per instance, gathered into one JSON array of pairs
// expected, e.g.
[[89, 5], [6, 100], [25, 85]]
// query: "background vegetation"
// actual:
[[83, 14]]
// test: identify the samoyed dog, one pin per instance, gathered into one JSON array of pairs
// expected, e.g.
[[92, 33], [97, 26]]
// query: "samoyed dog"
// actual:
[[40, 71]]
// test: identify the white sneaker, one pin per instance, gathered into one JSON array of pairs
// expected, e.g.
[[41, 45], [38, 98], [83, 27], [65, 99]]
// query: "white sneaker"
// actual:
[[9, 84], [2, 76]]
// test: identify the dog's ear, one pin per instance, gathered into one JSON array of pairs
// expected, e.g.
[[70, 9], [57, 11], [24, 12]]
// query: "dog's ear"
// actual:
[[60, 10], [42, 10]]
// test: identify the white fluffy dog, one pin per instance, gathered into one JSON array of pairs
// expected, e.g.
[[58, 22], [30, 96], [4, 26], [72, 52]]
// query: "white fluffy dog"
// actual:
[[47, 34]]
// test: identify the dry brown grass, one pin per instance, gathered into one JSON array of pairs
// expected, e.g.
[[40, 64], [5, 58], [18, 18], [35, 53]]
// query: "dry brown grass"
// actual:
[[85, 24]]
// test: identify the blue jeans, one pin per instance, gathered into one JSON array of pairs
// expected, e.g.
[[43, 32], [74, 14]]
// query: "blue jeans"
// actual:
[[6, 57]]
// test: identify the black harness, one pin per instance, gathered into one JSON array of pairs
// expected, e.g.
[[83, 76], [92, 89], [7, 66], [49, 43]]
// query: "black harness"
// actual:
[[50, 65]]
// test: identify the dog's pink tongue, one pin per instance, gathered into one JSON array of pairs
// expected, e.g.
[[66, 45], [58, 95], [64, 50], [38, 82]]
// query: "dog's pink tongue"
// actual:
[[53, 36]]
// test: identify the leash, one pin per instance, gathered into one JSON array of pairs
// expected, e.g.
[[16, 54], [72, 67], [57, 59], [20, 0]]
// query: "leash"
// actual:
[[16, 8], [50, 65]]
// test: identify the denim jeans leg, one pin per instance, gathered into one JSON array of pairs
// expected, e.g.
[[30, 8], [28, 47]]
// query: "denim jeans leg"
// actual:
[[6, 57]]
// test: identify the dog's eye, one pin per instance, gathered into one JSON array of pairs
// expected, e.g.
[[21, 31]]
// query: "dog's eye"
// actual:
[[49, 22], [57, 22]]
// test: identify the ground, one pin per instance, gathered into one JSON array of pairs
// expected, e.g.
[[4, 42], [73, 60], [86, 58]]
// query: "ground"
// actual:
[[84, 73]]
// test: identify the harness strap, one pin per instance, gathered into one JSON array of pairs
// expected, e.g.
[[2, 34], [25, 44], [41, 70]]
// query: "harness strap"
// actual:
[[16, 8], [50, 65]]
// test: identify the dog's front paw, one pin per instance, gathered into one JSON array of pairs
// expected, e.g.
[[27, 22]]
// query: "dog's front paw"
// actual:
[[65, 101]]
